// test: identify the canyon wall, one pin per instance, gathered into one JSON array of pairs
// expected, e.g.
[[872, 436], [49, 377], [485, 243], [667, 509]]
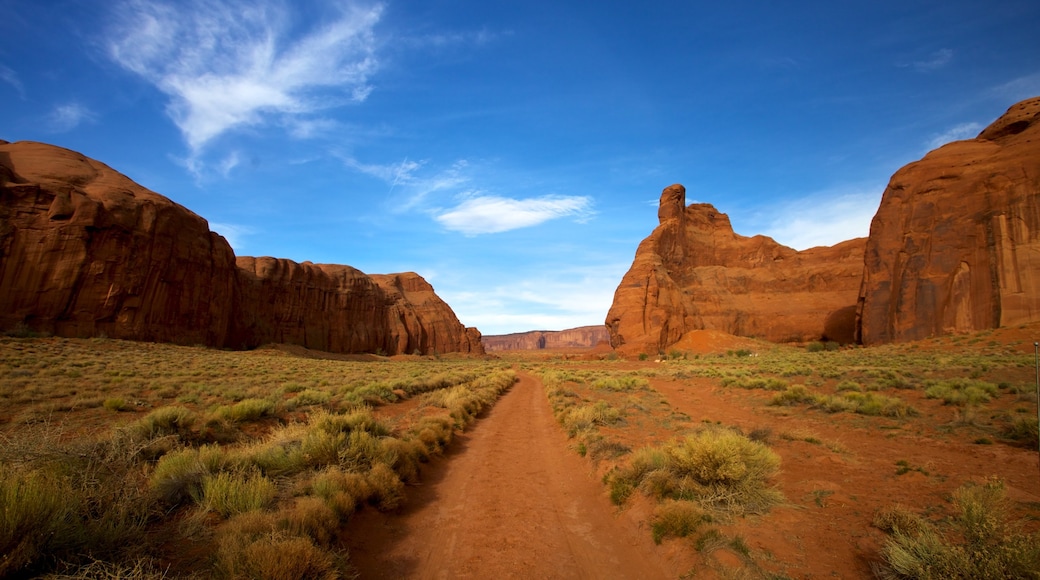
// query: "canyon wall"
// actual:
[[581, 337], [85, 251], [955, 243]]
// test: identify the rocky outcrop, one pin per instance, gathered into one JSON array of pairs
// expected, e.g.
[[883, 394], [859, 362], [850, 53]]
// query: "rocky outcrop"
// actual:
[[85, 251], [581, 337], [694, 273], [955, 244]]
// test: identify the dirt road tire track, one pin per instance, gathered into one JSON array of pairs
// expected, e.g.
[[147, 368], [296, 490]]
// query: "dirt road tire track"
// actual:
[[510, 501]]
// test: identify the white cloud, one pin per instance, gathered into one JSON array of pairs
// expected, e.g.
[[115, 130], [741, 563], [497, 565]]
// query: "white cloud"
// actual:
[[489, 214], [67, 117], [229, 163], [10, 77], [233, 233], [934, 61], [230, 64], [955, 133], [823, 219]]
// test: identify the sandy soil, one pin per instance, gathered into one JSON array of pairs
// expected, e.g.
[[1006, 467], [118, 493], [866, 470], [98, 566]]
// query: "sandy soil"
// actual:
[[511, 501]]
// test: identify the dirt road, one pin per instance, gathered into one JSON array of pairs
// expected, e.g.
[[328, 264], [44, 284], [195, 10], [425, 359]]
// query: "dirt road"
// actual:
[[510, 501]]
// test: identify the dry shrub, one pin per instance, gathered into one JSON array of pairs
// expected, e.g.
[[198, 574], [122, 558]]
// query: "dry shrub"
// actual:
[[719, 468], [898, 519], [583, 417], [404, 456], [139, 569], [435, 432], [249, 546], [981, 542], [387, 488], [677, 518], [38, 515], [341, 490], [162, 422], [310, 517]]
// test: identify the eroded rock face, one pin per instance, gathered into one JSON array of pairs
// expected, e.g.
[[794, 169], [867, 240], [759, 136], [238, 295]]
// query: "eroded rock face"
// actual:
[[955, 244], [85, 251], [694, 273], [581, 337]]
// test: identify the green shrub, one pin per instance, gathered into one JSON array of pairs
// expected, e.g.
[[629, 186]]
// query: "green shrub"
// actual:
[[962, 392], [792, 395]]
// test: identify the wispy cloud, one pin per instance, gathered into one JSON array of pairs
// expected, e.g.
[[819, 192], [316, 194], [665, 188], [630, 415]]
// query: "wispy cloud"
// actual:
[[932, 62], [230, 64], [415, 185], [1018, 89], [229, 163], [489, 214], [68, 116], [822, 219], [233, 233], [408, 189], [10, 77], [955, 133]]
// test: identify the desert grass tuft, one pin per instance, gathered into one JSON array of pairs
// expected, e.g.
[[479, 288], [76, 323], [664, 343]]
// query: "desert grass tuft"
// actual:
[[251, 546], [230, 493], [676, 518]]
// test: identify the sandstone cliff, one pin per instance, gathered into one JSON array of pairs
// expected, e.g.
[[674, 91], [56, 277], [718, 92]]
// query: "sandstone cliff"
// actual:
[[581, 337], [694, 273], [85, 251], [955, 244]]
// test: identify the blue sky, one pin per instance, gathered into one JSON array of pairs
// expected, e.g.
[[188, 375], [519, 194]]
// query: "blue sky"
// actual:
[[512, 153]]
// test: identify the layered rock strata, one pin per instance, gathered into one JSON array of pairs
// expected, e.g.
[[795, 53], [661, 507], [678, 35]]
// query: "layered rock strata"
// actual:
[[694, 273], [581, 337], [85, 251]]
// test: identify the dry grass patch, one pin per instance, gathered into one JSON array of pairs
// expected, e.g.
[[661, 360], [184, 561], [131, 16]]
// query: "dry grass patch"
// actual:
[[979, 542]]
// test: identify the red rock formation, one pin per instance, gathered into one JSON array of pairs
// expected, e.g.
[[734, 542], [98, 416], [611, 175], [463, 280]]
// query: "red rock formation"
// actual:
[[694, 273], [581, 337], [85, 251], [955, 244], [421, 321]]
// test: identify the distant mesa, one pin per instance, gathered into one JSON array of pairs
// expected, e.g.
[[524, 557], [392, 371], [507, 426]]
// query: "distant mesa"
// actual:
[[953, 248], [85, 251], [581, 337]]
